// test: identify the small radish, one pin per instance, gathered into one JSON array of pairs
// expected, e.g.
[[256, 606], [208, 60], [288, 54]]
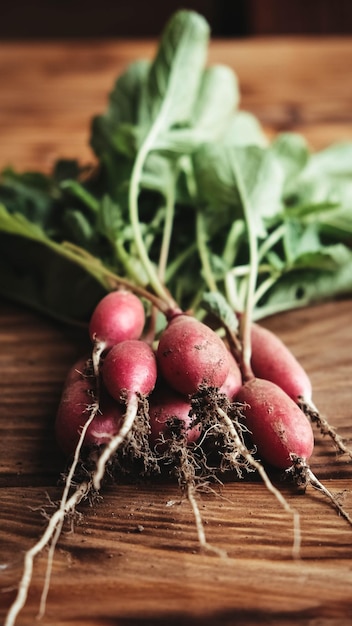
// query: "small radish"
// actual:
[[75, 409], [118, 316], [272, 360], [191, 354], [128, 369], [279, 428], [233, 381], [129, 373], [282, 433], [167, 408]]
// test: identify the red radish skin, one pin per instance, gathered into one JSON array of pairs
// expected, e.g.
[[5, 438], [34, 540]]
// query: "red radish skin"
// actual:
[[128, 372], [233, 381], [165, 405], [129, 367], [75, 409], [278, 426], [272, 360], [117, 317], [190, 354]]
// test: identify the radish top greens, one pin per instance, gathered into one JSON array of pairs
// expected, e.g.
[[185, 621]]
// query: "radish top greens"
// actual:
[[187, 196]]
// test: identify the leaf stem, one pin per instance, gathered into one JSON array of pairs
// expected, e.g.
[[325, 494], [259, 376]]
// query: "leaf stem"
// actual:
[[167, 232], [110, 280], [136, 176], [203, 251], [246, 320]]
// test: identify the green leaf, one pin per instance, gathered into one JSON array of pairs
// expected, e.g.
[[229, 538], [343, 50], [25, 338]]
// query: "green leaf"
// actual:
[[37, 273], [245, 130], [158, 174], [299, 288], [217, 99], [261, 173], [292, 151], [216, 304], [175, 74], [77, 190]]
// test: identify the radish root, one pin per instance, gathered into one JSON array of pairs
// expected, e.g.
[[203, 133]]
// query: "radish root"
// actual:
[[325, 428], [303, 476], [81, 492]]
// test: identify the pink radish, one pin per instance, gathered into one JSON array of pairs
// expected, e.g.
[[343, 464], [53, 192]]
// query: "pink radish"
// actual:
[[190, 354], [282, 433], [117, 317], [165, 407], [272, 360], [279, 428], [75, 409], [129, 368], [129, 373]]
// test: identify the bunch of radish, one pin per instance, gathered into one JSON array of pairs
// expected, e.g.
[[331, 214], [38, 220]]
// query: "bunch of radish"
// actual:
[[139, 397], [182, 400]]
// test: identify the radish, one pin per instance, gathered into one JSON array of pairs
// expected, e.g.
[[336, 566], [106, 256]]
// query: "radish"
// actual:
[[169, 413], [77, 401], [129, 373], [279, 428], [118, 316], [191, 354], [74, 410], [272, 360], [129, 368], [282, 433]]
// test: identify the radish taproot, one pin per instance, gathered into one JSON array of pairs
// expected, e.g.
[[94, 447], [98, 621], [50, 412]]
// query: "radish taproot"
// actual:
[[118, 316], [272, 360], [191, 354]]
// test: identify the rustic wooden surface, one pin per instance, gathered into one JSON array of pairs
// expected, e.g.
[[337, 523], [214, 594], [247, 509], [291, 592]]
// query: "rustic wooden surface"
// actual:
[[133, 559]]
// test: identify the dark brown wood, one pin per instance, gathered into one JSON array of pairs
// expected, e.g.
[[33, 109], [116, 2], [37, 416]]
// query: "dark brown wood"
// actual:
[[134, 558]]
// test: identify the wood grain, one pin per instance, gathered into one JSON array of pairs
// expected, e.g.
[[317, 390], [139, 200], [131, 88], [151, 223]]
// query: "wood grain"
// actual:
[[133, 558]]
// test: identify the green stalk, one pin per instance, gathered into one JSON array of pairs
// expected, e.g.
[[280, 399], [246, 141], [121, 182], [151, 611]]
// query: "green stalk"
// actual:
[[271, 240], [167, 232], [252, 276], [177, 263], [136, 175], [109, 279], [203, 252], [125, 260]]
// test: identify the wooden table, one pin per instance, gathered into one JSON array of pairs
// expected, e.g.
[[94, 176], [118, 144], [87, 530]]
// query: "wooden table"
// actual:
[[134, 559]]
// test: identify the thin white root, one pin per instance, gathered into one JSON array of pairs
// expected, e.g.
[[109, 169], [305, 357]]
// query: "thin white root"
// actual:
[[98, 349], [81, 492], [115, 442], [296, 546], [325, 428], [207, 547], [313, 480], [64, 497]]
